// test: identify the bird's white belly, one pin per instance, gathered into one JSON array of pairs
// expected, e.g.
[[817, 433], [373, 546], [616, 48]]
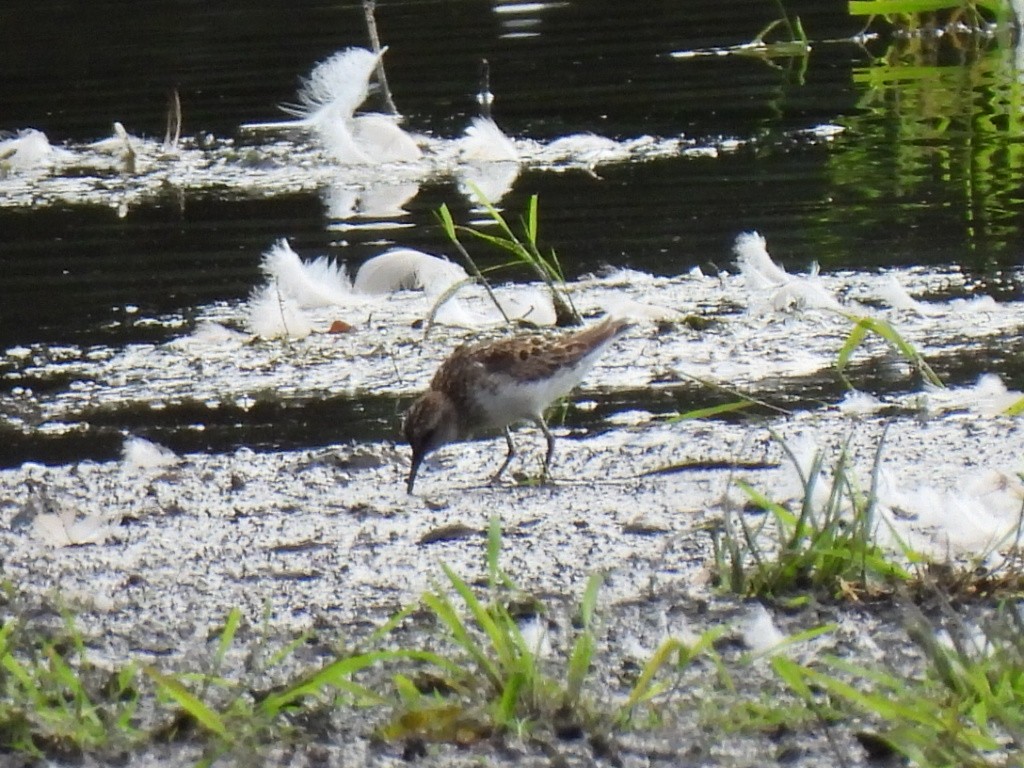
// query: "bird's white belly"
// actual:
[[505, 400]]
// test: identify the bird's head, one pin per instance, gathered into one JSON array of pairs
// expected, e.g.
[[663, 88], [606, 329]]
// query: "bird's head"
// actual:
[[429, 423]]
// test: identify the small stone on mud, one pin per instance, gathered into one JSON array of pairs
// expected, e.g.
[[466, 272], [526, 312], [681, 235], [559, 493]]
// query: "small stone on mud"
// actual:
[[646, 526], [453, 532]]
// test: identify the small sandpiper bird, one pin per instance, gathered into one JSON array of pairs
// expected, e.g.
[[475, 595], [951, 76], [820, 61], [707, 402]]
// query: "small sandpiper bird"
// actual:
[[492, 385]]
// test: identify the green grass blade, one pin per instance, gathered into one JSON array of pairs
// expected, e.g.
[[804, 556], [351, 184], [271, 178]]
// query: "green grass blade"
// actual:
[[493, 551], [531, 219], [891, 7], [791, 640], [506, 639], [227, 636], [642, 688], [493, 212], [447, 222], [508, 704], [1016, 409], [711, 411], [589, 602], [503, 243], [337, 674], [200, 712], [579, 665], [853, 341], [780, 512], [446, 613]]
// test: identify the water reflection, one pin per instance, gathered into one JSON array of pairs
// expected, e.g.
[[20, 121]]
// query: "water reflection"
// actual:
[[377, 206], [936, 148], [519, 19]]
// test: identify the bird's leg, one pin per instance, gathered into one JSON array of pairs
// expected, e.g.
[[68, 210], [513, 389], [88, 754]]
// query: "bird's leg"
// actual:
[[551, 448], [508, 458]]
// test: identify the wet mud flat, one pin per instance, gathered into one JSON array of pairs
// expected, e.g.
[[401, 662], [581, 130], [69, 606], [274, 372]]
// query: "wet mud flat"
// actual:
[[152, 553], [327, 543]]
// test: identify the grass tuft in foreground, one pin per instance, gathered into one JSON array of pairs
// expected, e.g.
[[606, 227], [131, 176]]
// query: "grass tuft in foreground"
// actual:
[[54, 701], [966, 709], [503, 678]]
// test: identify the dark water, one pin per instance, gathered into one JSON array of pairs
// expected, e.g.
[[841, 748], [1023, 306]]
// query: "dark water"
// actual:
[[927, 172]]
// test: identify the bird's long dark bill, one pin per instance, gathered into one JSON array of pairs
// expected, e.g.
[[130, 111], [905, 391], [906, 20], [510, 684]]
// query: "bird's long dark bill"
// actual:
[[416, 461]]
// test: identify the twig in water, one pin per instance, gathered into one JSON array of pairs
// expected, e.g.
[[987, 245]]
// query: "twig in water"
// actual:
[[484, 97], [369, 6], [173, 133]]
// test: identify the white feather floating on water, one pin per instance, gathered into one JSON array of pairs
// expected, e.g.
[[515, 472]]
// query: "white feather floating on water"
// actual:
[[320, 283], [487, 182], [367, 140], [586, 149], [485, 142], [334, 90], [337, 86], [121, 141], [407, 269], [896, 296], [27, 149], [756, 265], [380, 201], [328, 100], [380, 139]]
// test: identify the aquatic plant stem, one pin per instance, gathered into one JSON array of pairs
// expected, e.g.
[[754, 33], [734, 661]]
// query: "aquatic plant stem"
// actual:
[[448, 223], [369, 7]]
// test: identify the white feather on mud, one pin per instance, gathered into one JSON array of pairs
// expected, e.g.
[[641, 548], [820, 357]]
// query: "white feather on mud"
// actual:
[[760, 633], [139, 453], [27, 149], [273, 315], [772, 288], [526, 303]]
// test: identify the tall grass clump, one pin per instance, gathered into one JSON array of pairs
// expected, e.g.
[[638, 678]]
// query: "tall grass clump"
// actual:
[[498, 678], [823, 542]]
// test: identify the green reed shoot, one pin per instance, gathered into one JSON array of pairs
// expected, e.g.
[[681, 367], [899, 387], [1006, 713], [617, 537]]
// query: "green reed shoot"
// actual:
[[523, 249]]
